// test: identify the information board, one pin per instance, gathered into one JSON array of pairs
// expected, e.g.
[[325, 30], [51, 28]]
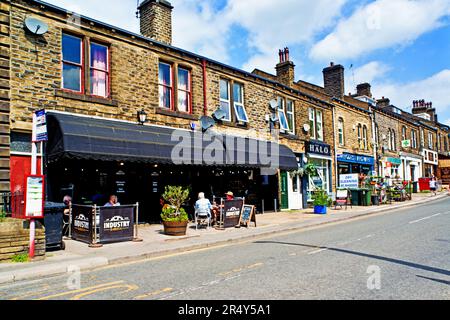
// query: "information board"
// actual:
[[247, 215], [350, 181], [39, 132], [34, 196]]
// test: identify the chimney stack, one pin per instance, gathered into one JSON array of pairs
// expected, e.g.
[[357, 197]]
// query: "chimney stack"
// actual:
[[156, 20], [333, 78], [364, 89], [383, 102], [285, 68]]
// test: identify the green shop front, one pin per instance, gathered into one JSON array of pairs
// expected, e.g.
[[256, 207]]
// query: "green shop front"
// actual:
[[318, 155]]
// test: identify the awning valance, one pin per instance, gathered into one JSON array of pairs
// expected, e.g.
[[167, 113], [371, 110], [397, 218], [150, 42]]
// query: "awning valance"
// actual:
[[79, 137]]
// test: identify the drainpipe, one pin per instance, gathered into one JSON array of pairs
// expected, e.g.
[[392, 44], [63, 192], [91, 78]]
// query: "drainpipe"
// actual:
[[335, 150], [205, 104], [374, 139]]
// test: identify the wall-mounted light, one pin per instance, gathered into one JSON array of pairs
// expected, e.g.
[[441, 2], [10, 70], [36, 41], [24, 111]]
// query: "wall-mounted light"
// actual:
[[142, 116]]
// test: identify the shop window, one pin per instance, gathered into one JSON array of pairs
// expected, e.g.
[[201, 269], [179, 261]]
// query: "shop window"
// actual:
[[238, 102], [184, 90], [225, 103], [72, 63], [295, 184], [99, 70], [20, 142], [165, 80], [341, 131]]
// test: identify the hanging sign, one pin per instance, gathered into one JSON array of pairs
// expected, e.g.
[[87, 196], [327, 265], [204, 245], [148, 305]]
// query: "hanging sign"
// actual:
[[39, 126], [406, 143], [34, 196]]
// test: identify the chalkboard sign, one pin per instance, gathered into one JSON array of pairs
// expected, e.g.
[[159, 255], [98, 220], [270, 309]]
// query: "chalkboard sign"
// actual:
[[232, 211], [247, 215]]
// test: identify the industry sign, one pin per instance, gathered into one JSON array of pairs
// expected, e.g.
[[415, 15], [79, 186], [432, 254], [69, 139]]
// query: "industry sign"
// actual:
[[116, 223], [39, 133], [34, 199], [349, 181]]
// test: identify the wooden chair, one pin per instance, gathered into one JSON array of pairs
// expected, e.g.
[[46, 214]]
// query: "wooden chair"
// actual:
[[342, 198]]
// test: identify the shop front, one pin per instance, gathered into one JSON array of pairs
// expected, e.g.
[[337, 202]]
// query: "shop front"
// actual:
[[390, 167], [430, 163], [318, 155], [92, 158], [411, 167], [354, 163]]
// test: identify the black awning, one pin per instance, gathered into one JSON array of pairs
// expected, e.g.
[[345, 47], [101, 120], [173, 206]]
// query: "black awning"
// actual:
[[78, 137]]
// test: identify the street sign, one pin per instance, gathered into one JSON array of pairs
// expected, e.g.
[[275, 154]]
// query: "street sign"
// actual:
[[350, 181], [39, 133], [34, 197]]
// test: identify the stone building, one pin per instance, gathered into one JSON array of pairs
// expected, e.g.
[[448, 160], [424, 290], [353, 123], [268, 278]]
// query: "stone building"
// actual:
[[85, 69]]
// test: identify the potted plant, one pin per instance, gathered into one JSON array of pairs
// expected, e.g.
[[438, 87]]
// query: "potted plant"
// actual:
[[311, 170], [321, 201], [174, 217]]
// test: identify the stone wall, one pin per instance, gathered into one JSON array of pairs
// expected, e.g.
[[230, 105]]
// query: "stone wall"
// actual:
[[15, 238], [4, 94], [352, 118], [156, 20], [386, 122]]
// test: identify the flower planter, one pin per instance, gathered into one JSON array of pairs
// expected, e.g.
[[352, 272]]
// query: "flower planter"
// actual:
[[320, 209], [174, 228]]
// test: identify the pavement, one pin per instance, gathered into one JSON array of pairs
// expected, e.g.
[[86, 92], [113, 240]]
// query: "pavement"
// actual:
[[156, 244]]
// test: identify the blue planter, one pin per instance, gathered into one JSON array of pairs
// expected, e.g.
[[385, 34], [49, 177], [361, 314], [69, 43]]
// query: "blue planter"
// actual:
[[320, 209]]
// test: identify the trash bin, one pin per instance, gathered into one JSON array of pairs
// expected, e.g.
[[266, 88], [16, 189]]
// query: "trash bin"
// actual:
[[355, 197], [415, 187], [53, 222], [365, 197]]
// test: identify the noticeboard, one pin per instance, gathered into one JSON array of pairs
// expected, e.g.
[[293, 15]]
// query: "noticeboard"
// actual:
[[247, 215], [81, 228], [116, 224], [34, 196], [232, 212]]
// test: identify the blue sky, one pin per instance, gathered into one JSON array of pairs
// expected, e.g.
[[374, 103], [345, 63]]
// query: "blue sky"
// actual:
[[402, 47]]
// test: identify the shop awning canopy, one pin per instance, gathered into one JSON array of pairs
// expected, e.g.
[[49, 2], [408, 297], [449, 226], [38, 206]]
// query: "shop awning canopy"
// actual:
[[80, 137]]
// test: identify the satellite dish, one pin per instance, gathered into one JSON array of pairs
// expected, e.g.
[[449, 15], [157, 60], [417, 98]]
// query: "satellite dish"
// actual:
[[35, 26], [206, 122], [306, 127], [219, 114], [273, 104]]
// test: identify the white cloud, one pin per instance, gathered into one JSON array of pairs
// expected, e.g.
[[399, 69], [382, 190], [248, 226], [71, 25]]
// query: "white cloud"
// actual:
[[119, 13], [367, 73], [273, 25], [199, 28], [381, 24], [433, 89]]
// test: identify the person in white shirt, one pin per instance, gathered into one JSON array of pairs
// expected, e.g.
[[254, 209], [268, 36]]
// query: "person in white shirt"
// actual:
[[203, 205], [433, 185]]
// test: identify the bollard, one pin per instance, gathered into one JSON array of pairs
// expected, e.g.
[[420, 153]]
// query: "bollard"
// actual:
[[136, 224], [94, 243]]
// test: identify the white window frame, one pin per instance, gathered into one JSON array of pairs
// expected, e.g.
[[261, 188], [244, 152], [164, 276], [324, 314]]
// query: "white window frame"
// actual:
[[226, 101], [188, 91], [430, 140], [322, 138], [365, 133], [312, 122], [171, 86], [240, 104], [282, 114], [292, 114], [341, 131]]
